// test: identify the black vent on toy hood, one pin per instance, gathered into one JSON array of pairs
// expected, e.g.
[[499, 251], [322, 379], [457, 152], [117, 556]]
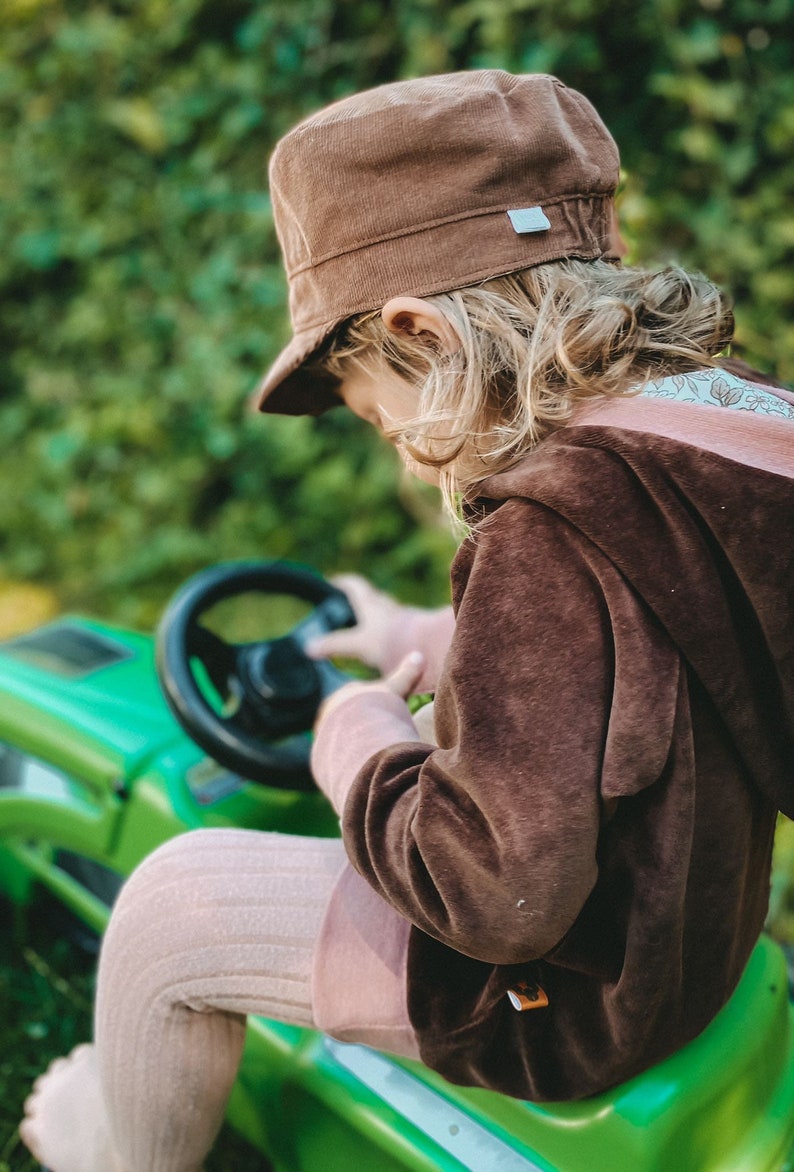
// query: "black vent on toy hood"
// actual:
[[67, 650]]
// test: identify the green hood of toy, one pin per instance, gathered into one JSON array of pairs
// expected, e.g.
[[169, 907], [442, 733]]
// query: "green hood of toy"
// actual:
[[82, 690]]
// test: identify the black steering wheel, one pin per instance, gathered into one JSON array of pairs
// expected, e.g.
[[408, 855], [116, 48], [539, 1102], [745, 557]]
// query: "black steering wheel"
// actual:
[[269, 692]]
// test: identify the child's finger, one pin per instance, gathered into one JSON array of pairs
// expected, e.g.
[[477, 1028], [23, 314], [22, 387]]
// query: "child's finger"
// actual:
[[365, 600], [356, 587], [407, 674], [347, 643]]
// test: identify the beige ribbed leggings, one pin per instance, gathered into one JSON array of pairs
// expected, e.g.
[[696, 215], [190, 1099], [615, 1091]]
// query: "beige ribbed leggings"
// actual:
[[214, 925]]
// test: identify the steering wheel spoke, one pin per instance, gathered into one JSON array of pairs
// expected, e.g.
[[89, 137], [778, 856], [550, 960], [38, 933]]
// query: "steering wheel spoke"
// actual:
[[218, 658], [331, 614]]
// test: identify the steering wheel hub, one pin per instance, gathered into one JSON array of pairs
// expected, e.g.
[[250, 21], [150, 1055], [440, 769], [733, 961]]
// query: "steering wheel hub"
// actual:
[[287, 683]]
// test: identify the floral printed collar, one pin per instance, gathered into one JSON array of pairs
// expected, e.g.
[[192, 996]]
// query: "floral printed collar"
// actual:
[[720, 388]]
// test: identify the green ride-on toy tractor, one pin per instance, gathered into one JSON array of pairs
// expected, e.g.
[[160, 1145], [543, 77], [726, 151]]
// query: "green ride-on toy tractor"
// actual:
[[101, 761]]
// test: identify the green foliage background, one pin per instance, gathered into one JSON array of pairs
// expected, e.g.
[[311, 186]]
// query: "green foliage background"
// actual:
[[141, 294], [140, 286]]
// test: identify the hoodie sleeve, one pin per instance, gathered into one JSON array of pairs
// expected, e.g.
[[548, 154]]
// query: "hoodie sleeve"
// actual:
[[489, 842]]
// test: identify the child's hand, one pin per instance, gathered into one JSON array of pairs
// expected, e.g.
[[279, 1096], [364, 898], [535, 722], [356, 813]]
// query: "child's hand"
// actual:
[[401, 682], [377, 615]]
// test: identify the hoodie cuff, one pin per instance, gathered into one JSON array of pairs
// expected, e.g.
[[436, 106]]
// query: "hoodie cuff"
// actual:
[[351, 733]]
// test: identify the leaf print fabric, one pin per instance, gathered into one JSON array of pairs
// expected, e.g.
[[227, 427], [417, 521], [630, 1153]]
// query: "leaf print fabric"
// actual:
[[720, 388]]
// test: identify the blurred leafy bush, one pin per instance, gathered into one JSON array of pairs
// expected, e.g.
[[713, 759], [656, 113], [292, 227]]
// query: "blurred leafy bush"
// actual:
[[140, 286]]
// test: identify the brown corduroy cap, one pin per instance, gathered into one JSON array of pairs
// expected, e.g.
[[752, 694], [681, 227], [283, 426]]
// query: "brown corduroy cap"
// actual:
[[425, 186]]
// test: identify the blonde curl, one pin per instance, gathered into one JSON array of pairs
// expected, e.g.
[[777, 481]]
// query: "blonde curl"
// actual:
[[534, 345]]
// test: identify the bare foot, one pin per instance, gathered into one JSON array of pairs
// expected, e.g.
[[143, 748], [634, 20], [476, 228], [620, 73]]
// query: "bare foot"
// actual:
[[64, 1125]]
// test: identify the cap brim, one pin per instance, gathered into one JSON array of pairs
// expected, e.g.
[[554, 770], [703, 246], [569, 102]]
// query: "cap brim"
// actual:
[[289, 388]]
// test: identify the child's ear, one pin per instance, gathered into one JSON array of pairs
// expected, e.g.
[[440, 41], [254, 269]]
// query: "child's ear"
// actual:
[[415, 316]]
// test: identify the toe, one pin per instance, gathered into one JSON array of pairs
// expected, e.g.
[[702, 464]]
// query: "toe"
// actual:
[[53, 1068], [27, 1134]]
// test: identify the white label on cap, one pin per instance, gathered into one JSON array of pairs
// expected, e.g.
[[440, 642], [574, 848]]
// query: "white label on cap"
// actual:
[[529, 220]]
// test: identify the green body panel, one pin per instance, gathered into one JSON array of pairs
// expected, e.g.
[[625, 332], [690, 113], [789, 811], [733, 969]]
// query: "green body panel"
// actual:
[[725, 1103], [112, 775]]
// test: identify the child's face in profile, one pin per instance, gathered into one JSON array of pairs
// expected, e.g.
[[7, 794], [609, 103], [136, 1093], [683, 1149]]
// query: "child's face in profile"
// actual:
[[386, 401]]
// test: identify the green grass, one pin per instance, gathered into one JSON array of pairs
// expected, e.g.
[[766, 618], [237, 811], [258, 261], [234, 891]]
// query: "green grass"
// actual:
[[46, 992]]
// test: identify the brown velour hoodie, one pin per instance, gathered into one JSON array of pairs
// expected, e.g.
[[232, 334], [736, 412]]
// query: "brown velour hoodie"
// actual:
[[615, 726]]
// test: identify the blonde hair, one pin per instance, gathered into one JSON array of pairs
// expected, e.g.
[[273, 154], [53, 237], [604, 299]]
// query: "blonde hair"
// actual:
[[534, 345]]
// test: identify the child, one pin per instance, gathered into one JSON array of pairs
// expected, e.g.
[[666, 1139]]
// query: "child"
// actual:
[[561, 882]]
